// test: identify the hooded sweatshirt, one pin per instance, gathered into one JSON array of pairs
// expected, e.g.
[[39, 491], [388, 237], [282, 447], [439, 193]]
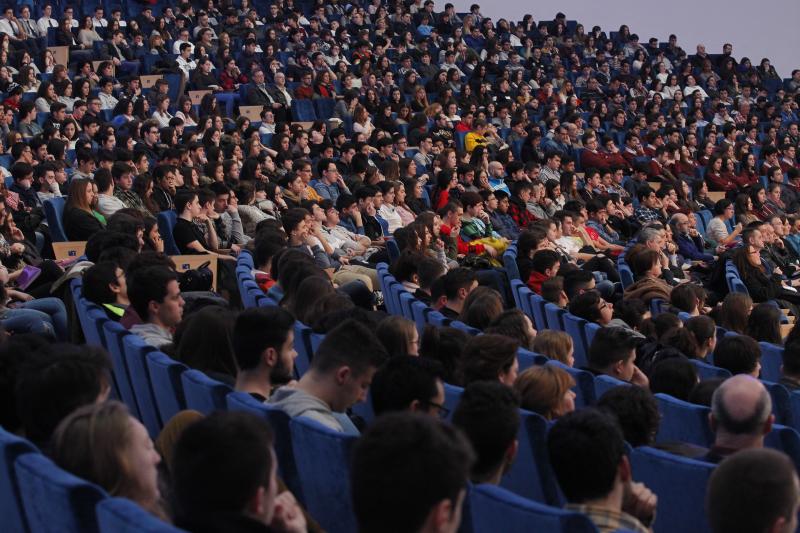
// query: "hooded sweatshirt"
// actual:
[[295, 402]]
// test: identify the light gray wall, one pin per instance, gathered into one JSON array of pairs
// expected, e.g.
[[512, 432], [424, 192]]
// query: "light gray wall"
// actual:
[[756, 28]]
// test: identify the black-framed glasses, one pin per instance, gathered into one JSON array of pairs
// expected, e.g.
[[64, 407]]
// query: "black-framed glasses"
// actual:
[[441, 410]]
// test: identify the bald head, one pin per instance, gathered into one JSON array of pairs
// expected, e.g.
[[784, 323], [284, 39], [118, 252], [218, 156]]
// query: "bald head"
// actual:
[[741, 406]]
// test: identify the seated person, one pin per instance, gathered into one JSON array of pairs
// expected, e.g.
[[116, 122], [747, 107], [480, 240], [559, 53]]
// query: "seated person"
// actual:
[[612, 352], [646, 267], [104, 284], [339, 377], [103, 444], [449, 292], [224, 478], [488, 413], [156, 297], [407, 383], [587, 453], [81, 221], [755, 490], [546, 390], [263, 344], [401, 450], [591, 307], [491, 358], [545, 266]]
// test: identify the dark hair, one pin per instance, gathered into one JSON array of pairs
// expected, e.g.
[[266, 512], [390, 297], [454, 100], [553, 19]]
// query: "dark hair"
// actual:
[[739, 354], [791, 358], [585, 448], [586, 306], [203, 341], [750, 490], [182, 198], [734, 312], [428, 271], [636, 411], [631, 311], [349, 344], [486, 356], [702, 327], [403, 380], [402, 454], [609, 346], [457, 279], [702, 392], [149, 285], [482, 306], [512, 323], [258, 329], [675, 376], [219, 464], [395, 333], [445, 345], [576, 280], [55, 381], [544, 260], [488, 413], [96, 281], [764, 324]]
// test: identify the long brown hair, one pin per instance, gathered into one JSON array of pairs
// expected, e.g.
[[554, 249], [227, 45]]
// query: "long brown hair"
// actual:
[[77, 194]]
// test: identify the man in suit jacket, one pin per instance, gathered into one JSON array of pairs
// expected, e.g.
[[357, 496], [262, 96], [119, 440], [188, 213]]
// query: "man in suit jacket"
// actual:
[[257, 93], [118, 52]]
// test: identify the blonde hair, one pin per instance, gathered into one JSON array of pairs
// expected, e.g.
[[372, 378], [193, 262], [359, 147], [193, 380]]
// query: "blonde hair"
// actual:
[[542, 388], [554, 344]]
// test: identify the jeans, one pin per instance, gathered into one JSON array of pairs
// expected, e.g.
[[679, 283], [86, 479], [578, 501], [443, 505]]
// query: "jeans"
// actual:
[[43, 315]]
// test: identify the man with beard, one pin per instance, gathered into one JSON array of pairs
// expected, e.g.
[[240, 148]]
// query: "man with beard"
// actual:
[[263, 343]]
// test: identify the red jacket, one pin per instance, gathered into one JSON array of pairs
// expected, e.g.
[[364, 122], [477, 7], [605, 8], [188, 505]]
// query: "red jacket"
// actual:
[[536, 280]]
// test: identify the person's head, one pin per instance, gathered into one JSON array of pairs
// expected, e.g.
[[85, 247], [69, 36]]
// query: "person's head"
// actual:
[[705, 334], [398, 335], [590, 306], [635, 410], [104, 283], [346, 361], [55, 381], [156, 296], [488, 413], [408, 453], [738, 354], [263, 340], [456, 286], [515, 324], [741, 413], [225, 464], [408, 383], [587, 453], [753, 491], [546, 262], [734, 312], [612, 352], [555, 345], [546, 390], [102, 443], [646, 263], [577, 282], [482, 306], [675, 376], [764, 323], [490, 358]]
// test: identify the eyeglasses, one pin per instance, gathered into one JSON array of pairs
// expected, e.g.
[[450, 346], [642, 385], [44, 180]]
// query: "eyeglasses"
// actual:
[[441, 410]]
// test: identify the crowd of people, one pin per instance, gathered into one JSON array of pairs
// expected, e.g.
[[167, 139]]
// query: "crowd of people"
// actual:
[[630, 179]]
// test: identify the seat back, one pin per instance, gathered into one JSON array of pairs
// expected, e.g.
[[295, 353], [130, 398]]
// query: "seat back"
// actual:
[[530, 475], [166, 223], [527, 359], [11, 508], [420, 312], [510, 263], [490, 506], [279, 421], [55, 501], [113, 334], [537, 304], [438, 319], [575, 327], [555, 317], [135, 352], [121, 515], [203, 393], [683, 421], [323, 464], [604, 383], [681, 487], [302, 345], [781, 403], [452, 395], [54, 212], [786, 440], [771, 361], [516, 287], [707, 371], [165, 378]]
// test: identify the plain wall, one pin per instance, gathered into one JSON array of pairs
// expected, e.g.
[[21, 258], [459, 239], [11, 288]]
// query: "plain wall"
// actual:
[[764, 28]]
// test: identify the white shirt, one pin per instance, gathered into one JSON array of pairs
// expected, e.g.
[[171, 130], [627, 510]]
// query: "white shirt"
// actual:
[[176, 47], [99, 23], [46, 22], [8, 27]]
